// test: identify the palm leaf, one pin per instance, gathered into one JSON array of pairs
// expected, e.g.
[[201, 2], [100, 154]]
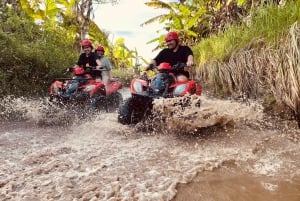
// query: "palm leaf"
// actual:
[[49, 13], [69, 6], [154, 19], [158, 4], [36, 15], [97, 35], [51, 9]]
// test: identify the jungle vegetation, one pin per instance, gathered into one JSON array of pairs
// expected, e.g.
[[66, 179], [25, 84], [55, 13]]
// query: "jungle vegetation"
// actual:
[[246, 48]]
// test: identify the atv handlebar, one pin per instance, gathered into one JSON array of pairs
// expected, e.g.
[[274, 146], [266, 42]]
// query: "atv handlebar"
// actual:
[[87, 69], [178, 66], [64, 79], [94, 68]]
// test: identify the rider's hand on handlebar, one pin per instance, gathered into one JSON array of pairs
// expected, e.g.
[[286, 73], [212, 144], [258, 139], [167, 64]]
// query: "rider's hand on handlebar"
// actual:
[[189, 64], [68, 70], [145, 76], [150, 67], [187, 68]]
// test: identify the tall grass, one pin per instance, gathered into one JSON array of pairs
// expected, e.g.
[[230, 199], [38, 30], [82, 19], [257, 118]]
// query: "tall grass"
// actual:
[[284, 71], [261, 72], [266, 26], [260, 59]]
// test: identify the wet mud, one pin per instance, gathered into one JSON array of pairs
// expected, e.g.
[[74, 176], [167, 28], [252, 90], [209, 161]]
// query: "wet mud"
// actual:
[[222, 150]]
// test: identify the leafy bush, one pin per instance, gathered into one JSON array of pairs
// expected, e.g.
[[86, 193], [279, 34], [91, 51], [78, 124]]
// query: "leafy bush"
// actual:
[[32, 56]]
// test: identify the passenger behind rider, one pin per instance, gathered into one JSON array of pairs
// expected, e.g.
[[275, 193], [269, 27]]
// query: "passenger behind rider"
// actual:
[[174, 53], [86, 59], [105, 75]]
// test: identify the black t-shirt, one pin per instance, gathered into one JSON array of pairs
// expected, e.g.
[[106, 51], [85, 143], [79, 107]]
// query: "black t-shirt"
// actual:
[[87, 61], [180, 56]]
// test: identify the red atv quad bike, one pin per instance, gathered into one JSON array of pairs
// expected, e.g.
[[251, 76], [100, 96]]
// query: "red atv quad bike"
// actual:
[[143, 91], [91, 94]]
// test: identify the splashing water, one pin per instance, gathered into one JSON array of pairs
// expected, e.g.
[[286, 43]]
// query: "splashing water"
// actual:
[[20, 108], [40, 111], [99, 159], [192, 114]]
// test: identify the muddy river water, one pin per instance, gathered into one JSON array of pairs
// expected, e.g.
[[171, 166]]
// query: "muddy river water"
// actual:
[[222, 151]]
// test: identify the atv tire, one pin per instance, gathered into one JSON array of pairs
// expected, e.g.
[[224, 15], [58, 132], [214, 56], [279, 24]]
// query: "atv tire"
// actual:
[[115, 100], [128, 113]]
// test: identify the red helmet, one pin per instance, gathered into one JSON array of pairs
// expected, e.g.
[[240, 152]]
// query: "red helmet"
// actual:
[[86, 42], [78, 71], [164, 66], [99, 48], [171, 36]]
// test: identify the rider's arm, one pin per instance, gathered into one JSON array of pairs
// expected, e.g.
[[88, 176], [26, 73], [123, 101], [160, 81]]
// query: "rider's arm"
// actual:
[[70, 69], [109, 70], [151, 65], [99, 64], [107, 63], [190, 58], [108, 67], [96, 59], [109, 75], [190, 62]]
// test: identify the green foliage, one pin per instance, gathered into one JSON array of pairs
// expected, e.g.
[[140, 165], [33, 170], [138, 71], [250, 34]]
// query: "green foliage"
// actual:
[[97, 35], [182, 18], [267, 24], [124, 74], [34, 10], [123, 57], [196, 19], [271, 22], [32, 56]]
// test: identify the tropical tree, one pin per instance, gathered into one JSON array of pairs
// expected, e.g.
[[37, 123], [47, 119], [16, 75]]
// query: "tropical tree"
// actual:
[[43, 11], [75, 15], [195, 19], [84, 14], [122, 55], [180, 17]]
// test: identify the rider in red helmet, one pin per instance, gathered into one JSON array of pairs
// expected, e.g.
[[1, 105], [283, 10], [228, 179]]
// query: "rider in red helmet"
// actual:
[[173, 54], [100, 48], [86, 43], [105, 75], [171, 36], [86, 59]]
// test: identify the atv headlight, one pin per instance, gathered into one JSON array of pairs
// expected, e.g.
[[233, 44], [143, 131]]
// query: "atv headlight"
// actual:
[[180, 90], [138, 87]]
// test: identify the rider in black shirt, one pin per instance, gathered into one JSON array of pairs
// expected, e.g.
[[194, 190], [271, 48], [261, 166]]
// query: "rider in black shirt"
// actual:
[[173, 54], [86, 59]]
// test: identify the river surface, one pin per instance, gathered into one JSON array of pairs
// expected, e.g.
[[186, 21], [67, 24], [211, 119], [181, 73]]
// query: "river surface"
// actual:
[[222, 151]]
